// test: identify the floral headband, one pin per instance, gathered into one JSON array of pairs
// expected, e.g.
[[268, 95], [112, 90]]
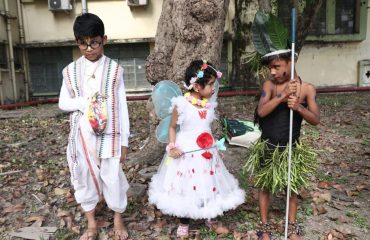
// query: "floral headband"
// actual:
[[200, 74]]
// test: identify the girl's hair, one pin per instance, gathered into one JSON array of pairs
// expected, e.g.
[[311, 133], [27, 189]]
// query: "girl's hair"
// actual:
[[193, 69], [88, 25]]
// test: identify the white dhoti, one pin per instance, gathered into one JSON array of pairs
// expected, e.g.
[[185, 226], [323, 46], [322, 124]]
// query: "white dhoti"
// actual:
[[110, 180]]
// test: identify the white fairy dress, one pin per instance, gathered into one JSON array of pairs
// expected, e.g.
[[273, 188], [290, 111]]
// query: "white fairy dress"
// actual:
[[197, 185]]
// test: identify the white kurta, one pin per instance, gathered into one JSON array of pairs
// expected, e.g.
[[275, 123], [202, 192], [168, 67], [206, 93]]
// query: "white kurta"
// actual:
[[112, 182]]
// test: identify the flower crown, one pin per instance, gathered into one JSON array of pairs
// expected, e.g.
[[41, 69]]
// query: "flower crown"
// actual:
[[200, 74]]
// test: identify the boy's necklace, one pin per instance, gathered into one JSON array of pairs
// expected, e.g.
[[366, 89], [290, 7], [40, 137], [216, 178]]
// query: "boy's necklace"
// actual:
[[90, 81], [96, 68], [195, 101]]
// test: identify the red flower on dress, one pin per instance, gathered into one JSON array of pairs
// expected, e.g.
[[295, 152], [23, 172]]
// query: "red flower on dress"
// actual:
[[207, 155], [205, 140]]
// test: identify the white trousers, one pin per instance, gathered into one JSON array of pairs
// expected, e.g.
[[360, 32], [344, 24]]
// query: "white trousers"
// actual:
[[110, 178]]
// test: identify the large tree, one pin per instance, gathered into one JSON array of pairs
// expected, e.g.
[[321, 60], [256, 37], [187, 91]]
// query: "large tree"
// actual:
[[243, 74], [187, 30]]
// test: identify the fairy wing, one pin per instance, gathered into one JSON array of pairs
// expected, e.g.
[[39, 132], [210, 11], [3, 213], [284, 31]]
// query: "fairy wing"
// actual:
[[162, 94]]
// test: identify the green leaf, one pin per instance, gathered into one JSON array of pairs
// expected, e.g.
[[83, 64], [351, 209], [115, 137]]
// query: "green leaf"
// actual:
[[260, 37], [278, 32]]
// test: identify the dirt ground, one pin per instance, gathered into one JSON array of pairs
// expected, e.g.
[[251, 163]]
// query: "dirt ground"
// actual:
[[35, 189]]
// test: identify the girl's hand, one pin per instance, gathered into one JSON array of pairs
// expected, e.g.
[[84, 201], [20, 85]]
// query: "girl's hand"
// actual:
[[293, 102], [175, 153]]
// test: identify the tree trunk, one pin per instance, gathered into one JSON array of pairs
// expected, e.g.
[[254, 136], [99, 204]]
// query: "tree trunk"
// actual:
[[265, 5], [187, 30], [305, 21], [243, 76]]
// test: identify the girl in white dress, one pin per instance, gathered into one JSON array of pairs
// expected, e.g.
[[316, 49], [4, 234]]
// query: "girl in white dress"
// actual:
[[192, 181]]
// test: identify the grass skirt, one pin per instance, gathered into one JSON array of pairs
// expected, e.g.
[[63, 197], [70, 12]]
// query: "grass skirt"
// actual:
[[269, 165]]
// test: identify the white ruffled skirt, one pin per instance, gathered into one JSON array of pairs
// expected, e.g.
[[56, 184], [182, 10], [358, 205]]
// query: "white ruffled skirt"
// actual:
[[196, 186]]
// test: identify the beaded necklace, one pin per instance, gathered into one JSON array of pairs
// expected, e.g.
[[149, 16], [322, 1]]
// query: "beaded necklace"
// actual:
[[195, 101]]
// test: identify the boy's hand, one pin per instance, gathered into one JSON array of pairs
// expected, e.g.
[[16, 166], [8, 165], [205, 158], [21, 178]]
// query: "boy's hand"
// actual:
[[175, 153], [291, 88], [124, 151], [293, 102]]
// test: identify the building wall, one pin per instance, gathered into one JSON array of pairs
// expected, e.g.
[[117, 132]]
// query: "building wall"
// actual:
[[12, 4], [334, 64], [121, 22]]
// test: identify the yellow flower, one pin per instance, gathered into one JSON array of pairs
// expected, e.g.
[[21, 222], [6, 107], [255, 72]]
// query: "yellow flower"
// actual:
[[204, 102], [194, 100]]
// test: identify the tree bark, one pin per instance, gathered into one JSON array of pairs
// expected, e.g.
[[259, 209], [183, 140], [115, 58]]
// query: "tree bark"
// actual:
[[243, 76], [265, 5], [305, 21], [187, 30]]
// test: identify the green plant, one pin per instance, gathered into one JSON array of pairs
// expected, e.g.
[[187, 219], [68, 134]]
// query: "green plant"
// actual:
[[358, 220], [64, 234]]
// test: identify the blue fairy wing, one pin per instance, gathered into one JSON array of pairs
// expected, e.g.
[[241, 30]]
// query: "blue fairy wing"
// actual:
[[213, 98], [162, 94], [161, 132]]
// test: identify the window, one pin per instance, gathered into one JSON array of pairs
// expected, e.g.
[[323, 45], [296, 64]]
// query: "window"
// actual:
[[337, 20], [3, 60], [132, 57], [4, 57], [46, 65]]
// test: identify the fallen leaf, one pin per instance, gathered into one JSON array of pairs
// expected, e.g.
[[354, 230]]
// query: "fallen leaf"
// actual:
[[158, 226], [76, 229], [304, 194], [35, 219], [68, 220], [321, 198], [14, 208], [342, 219], [60, 191], [360, 187], [321, 210], [237, 235], [222, 230], [63, 213], [324, 184], [351, 193]]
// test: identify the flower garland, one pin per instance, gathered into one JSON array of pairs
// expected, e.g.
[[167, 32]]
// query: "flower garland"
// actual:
[[195, 101], [200, 74]]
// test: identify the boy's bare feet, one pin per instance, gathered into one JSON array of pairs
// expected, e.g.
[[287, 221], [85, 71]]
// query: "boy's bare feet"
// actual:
[[91, 232], [265, 236], [120, 231], [294, 236]]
